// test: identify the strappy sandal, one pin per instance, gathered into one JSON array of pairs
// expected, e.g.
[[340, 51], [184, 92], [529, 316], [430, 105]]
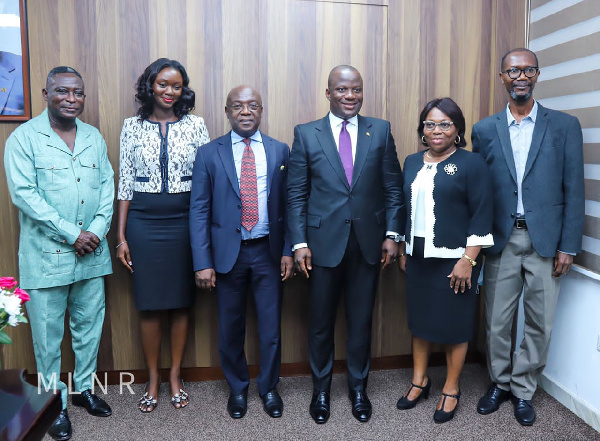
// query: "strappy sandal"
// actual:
[[180, 399], [148, 401]]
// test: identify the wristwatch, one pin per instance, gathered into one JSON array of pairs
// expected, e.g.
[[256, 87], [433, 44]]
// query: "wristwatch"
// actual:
[[394, 237]]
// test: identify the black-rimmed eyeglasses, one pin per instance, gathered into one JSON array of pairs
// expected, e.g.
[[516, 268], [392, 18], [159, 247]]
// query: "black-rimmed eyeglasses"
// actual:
[[514, 72]]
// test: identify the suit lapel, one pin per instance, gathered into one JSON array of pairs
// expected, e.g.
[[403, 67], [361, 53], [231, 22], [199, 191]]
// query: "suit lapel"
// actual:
[[327, 142], [504, 136], [270, 153], [363, 144], [539, 129], [226, 154]]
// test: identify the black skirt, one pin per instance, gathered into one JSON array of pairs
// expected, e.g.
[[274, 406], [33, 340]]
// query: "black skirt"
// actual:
[[158, 236], [435, 312]]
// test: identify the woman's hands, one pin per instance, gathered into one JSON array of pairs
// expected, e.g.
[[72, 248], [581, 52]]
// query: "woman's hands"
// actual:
[[124, 256], [460, 277]]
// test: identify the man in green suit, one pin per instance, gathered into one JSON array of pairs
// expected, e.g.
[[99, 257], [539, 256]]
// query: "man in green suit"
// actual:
[[61, 181]]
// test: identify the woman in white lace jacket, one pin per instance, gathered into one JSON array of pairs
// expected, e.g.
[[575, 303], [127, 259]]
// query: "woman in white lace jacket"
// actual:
[[158, 149], [449, 219]]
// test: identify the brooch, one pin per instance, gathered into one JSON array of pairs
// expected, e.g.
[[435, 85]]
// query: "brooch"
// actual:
[[450, 169]]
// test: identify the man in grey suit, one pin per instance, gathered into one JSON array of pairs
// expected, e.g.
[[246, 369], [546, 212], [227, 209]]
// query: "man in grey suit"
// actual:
[[345, 210], [535, 156]]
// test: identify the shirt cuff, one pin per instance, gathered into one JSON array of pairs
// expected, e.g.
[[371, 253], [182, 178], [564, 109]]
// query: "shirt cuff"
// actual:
[[393, 233], [570, 254], [299, 245]]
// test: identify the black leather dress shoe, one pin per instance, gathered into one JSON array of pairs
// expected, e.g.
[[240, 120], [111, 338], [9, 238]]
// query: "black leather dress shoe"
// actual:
[[93, 404], [524, 411], [272, 403], [492, 400], [361, 406], [237, 405], [61, 428], [319, 407]]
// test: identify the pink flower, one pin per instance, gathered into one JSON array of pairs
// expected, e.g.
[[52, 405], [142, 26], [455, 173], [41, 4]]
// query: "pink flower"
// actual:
[[8, 282], [22, 294]]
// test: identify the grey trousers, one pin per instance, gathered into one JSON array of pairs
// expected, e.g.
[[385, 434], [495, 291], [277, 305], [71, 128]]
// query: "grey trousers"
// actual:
[[517, 270]]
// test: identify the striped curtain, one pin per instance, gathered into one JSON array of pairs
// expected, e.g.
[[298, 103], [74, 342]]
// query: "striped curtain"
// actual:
[[565, 35]]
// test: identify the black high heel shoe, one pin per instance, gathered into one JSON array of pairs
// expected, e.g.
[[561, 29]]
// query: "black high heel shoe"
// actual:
[[440, 416], [404, 403]]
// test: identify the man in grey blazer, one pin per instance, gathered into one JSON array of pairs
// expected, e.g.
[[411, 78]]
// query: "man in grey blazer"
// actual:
[[535, 156], [345, 208]]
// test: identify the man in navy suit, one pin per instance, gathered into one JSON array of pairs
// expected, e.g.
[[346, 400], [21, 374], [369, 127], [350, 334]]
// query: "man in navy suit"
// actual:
[[535, 156], [345, 210], [239, 241], [12, 99]]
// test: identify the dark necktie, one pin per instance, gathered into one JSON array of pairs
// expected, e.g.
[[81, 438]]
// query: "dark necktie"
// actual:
[[248, 188], [346, 152]]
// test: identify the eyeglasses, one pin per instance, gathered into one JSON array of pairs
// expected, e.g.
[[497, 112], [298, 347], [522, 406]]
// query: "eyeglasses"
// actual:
[[514, 72], [444, 125], [237, 107]]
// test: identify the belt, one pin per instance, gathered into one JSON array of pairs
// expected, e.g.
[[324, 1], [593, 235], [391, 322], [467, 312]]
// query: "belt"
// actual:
[[255, 241], [520, 223]]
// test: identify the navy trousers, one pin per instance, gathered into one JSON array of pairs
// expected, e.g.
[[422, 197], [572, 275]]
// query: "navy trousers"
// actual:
[[255, 270]]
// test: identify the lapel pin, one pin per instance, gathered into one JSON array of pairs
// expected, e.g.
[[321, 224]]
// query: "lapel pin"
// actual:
[[3, 89], [450, 169], [368, 134], [282, 167]]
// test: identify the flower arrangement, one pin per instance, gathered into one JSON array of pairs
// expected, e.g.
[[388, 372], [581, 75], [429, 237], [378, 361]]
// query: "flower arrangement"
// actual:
[[11, 299]]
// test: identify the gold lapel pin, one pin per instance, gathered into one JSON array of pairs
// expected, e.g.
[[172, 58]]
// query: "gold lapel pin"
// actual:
[[3, 89], [368, 134], [282, 167]]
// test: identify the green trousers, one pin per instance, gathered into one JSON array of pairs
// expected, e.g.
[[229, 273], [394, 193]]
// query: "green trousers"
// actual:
[[46, 310]]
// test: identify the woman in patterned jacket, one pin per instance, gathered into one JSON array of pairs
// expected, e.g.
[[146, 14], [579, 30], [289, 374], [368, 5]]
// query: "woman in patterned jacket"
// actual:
[[158, 148]]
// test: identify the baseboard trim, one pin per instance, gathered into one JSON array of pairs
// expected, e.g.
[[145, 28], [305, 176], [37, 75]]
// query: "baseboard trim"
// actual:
[[287, 369], [575, 404]]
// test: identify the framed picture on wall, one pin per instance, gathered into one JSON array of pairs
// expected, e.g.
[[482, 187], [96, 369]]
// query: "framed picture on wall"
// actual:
[[15, 103]]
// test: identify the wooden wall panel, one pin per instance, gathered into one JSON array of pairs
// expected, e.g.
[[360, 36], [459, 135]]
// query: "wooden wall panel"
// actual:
[[408, 51]]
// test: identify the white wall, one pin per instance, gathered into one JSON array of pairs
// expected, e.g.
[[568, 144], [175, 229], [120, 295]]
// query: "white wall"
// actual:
[[572, 374]]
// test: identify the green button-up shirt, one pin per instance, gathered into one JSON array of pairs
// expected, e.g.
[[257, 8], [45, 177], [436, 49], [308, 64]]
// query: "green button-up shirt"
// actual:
[[58, 194]]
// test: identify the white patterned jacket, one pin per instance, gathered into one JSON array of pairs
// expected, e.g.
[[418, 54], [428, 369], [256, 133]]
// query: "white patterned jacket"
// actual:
[[150, 163]]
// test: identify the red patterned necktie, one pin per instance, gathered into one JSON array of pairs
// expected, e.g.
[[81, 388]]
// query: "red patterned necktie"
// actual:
[[248, 188]]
